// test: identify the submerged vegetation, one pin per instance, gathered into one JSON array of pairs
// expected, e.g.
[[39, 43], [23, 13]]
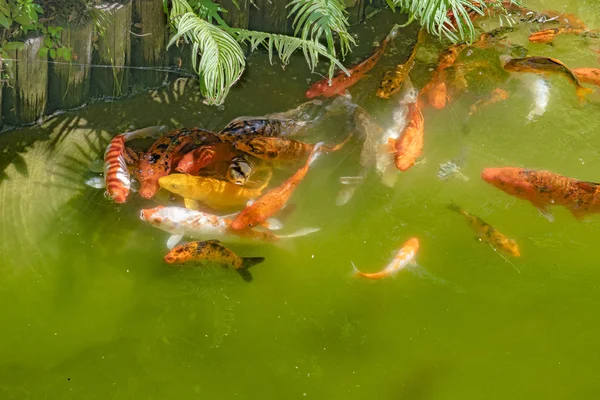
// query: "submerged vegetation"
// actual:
[[199, 24]]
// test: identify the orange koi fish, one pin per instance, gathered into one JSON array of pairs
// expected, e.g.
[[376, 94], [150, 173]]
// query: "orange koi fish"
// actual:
[[341, 82], [165, 152], [544, 66], [192, 162], [548, 35], [212, 251], [410, 145], [116, 174], [436, 92], [274, 200], [588, 75], [403, 258], [496, 96], [544, 188], [486, 233]]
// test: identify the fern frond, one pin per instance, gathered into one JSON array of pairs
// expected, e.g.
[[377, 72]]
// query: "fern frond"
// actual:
[[222, 60], [315, 18], [286, 46], [434, 15]]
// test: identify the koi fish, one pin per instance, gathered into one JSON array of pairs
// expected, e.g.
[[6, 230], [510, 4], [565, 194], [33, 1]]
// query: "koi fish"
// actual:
[[548, 35], [240, 170], [116, 174], [392, 81], [280, 149], [165, 152], [265, 127], [544, 188], [496, 96], [544, 65], [410, 145], [212, 251], [404, 257], [341, 82], [486, 233], [588, 75], [192, 162], [216, 194], [274, 200], [180, 222]]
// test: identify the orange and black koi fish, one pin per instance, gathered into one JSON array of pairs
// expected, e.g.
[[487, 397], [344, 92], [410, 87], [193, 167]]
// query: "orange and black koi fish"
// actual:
[[486, 233], [213, 251], [341, 82], [543, 66], [588, 75], [496, 96], [192, 162], [165, 152], [274, 200], [545, 188], [116, 173], [280, 149], [242, 128]]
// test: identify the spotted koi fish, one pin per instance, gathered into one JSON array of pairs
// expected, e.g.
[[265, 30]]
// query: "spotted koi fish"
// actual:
[[265, 127], [545, 188], [280, 149], [404, 257], [180, 222], [192, 162], [212, 251], [116, 159], [486, 233], [588, 75], [274, 200], [165, 152]]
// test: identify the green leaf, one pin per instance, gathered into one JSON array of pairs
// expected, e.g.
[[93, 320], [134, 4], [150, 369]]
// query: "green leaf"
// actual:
[[60, 51], [67, 54], [23, 20], [14, 46], [53, 53], [4, 21], [43, 52]]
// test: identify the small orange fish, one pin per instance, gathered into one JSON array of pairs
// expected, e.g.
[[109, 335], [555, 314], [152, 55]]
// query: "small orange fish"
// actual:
[[545, 188], [212, 251], [496, 96], [435, 91], [543, 66], [274, 200], [410, 145], [548, 35], [341, 82], [588, 75], [403, 258]]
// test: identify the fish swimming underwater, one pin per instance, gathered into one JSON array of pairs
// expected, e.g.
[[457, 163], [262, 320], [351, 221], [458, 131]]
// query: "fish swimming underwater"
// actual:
[[212, 251], [410, 144], [404, 257], [548, 35], [214, 193], [545, 188], [275, 199], [168, 151], [281, 149], [588, 75], [180, 222], [544, 66], [341, 82], [486, 233], [496, 96], [392, 81], [263, 127], [197, 159], [116, 173]]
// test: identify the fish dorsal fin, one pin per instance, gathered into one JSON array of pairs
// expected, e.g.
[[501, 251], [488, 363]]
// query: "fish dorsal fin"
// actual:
[[587, 186], [554, 60], [213, 241]]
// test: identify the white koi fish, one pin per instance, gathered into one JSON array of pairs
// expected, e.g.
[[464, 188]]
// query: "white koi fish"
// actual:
[[180, 222]]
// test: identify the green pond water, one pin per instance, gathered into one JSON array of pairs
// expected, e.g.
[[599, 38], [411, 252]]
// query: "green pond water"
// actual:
[[89, 310]]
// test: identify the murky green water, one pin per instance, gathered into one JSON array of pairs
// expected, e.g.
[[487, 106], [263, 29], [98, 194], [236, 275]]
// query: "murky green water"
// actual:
[[90, 311]]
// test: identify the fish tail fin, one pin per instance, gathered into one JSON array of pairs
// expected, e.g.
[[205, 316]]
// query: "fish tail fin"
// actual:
[[300, 232], [248, 262], [454, 207], [355, 271], [316, 152], [245, 274], [582, 93]]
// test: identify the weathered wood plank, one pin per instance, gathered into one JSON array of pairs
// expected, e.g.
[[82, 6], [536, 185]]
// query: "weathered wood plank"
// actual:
[[237, 18], [270, 16], [148, 45], [69, 84], [113, 48], [25, 94]]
